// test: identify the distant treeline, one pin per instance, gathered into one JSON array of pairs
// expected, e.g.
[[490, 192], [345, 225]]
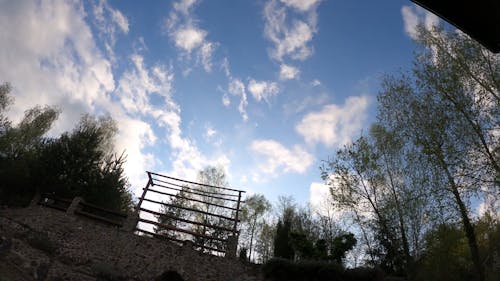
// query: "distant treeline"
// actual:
[[420, 189]]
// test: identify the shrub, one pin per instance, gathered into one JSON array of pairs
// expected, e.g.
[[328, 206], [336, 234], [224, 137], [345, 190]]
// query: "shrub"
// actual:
[[282, 269]]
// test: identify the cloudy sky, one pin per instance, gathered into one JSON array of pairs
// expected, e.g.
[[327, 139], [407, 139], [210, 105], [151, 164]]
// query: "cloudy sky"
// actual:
[[267, 89]]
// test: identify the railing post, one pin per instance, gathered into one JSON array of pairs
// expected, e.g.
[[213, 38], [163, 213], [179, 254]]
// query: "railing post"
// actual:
[[134, 218], [74, 204], [232, 241], [231, 246], [150, 182], [235, 227], [36, 199]]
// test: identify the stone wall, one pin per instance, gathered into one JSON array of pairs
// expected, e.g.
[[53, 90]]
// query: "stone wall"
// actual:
[[39, 243]]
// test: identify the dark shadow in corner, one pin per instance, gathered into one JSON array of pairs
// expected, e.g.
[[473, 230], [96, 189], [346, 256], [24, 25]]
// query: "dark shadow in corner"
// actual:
[[169, 275]]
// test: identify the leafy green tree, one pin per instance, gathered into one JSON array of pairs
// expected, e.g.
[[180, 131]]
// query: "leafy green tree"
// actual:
[[82, 163], [19, 149], [171, 214], [282, 244], [212, 177], [5, 101], [254, 209], [265, 241], [449, 108], [341, 245]]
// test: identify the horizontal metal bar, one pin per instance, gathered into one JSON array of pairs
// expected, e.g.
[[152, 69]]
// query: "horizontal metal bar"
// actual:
[[187, 221], [162, 236], [191, 182], [189, 209], [193, 192], [161, 225], [195, 200], [193, 189]]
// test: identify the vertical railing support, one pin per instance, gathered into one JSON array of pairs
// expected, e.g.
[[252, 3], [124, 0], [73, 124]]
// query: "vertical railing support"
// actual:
[[74, 205], [235, 227], [232, 241], [145, 190], [135, 216]]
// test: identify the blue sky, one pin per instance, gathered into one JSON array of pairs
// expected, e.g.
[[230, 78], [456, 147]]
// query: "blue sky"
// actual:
[[266, 89]]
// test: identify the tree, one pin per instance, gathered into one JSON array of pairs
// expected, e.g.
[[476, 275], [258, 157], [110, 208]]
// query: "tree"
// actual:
[[83, 163], [282, 243], [5, 101], [19, 147], [78, 163], [265, 242], [171, 214], [255, 207], [455, 81], [341, 245], [357, 185], [210, 179]]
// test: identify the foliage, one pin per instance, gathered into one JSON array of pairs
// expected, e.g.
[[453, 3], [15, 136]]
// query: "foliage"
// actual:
[[171, 214], [243, 255], [77, 163], [282, 269], [255, 207], [211, 177], [282, 243], [433, 148]]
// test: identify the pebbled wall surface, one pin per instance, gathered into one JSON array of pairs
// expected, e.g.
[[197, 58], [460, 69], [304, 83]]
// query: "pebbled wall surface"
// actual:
[[39, 243]]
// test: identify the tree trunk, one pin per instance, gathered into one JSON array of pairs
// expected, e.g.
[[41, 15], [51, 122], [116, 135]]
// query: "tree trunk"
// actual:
[[406, 247], [468, 228], [251, 241]]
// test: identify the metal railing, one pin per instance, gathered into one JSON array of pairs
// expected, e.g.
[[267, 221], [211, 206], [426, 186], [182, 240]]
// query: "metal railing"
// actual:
[[178, 210]]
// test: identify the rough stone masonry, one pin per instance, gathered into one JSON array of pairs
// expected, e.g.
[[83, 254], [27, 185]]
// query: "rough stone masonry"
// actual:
[[39, 243]]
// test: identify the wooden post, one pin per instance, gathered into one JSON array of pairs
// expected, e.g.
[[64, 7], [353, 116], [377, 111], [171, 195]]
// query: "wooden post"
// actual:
[[231, 246], [134, 218], [36, 199], [235, 227], [150, 182], [232, 241], [74, 204]]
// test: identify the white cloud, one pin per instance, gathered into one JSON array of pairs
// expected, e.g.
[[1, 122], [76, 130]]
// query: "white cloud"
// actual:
[[309, 101], [320, 201], [334, 125], [413, 16], [187, 36], [489, 204], [40, 61], [109, 22], [138, 83], [53, 59], [288, 72], [210, 132], [205, 55], [225, 100], [183, 6], [237, 88], [135, 87], [301, 5], [290, 38], [263, 90], [315, 83], [279, 159]]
